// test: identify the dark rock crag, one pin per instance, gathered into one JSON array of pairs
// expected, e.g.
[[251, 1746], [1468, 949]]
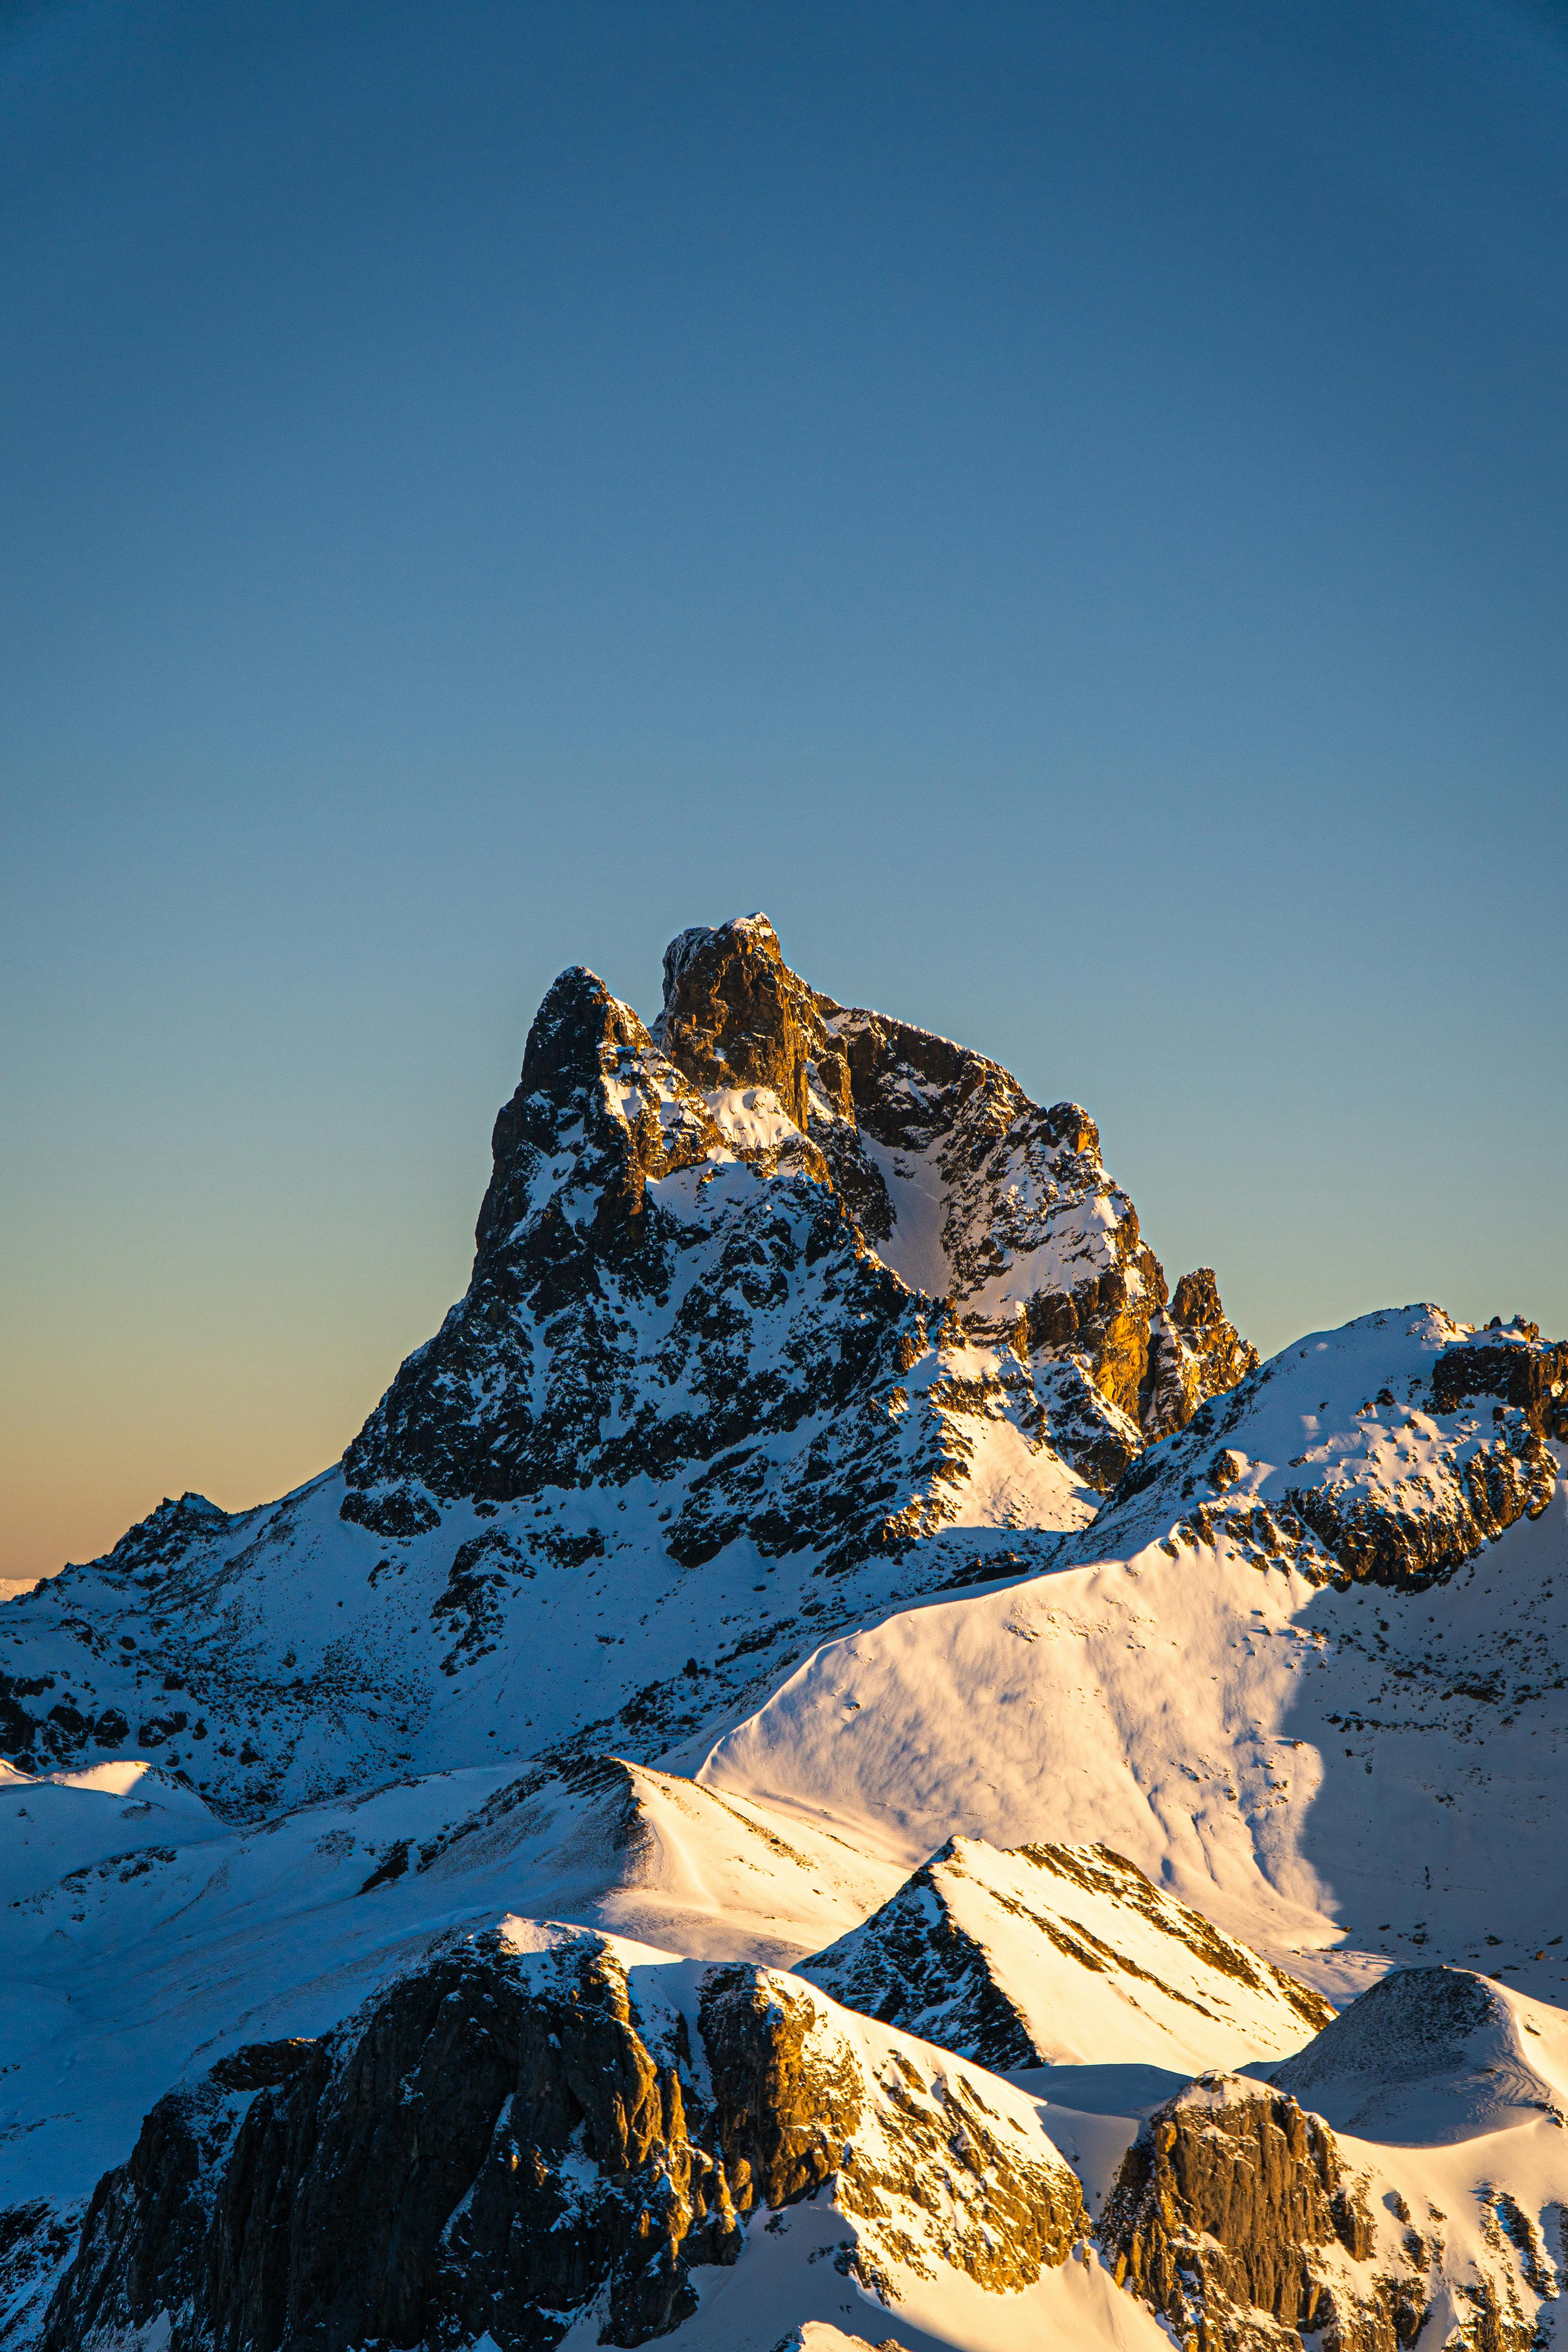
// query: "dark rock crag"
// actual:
[[503, 2140], [36, 2239], [1195, 1352], [1507, 1364], [1234, 2217]]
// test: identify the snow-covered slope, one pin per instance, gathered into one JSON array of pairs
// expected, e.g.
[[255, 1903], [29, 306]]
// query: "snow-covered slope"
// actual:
[[55, 1824], [288, 1654], [1318, 1765], [169, 1941], [1432, 2055], [1054, 1954], [172, 1954]]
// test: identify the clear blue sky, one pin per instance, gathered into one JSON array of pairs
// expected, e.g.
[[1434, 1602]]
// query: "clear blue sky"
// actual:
[[1066, 508]]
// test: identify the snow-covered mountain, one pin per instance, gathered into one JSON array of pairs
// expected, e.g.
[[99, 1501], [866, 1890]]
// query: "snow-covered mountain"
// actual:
[[1401, 1445], [816, 1706], [694, 1409]]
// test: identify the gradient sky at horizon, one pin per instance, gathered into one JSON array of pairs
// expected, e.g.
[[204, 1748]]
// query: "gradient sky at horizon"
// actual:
[[1067, 509]]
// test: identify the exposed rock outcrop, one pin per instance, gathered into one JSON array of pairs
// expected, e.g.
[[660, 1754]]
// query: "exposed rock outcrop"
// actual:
[[1195, 1352], [1234, 2217], [513, 2134], [1006, 1208], [36, 2239], [1507, 1364]]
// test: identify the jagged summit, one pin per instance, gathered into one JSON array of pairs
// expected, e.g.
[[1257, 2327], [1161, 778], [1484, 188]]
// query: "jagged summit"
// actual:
[[935, 1165], [735, 1016]]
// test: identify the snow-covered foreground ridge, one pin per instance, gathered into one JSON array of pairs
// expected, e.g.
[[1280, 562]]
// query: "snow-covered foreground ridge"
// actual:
[[818, 1545]]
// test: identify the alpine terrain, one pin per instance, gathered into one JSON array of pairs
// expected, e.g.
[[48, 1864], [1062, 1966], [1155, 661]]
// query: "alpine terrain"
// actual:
[[837, 1765]]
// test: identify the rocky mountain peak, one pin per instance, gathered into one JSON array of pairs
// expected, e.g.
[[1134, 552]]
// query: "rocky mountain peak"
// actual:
[[1194, 1302], [754, 932], [1234, 2209], [917, 1153], [782, 1288], [966, 1188], [735, 1016], [1005, 1956]]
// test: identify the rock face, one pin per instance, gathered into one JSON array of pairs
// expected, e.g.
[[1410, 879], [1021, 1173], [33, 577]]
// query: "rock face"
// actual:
[[641, 1300], [1386, 1453], [1041, 1955], [1233, 2216], [1195, 1352], [36, 2240], [512, 2136]]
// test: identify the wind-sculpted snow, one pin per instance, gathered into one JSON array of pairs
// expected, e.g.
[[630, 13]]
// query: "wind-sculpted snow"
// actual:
[[56, 1825], [1431, 2055]]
